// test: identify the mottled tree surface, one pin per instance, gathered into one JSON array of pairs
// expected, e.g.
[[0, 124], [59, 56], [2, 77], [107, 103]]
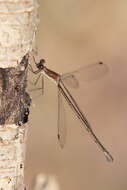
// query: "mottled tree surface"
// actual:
[[18, 20]]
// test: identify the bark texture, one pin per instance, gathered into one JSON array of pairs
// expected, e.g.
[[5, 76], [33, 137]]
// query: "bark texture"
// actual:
[[18, 19]]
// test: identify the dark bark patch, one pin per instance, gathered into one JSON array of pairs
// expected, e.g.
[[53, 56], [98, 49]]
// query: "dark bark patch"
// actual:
[[14, 100]]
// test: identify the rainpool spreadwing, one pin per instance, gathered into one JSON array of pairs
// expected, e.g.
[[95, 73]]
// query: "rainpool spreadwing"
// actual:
[[70, 79]]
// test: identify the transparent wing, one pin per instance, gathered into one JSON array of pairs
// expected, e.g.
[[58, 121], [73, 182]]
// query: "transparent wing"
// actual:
[[74, 106], [61, 121], [70, 80], [86, 73], [35, 83], [41, 88]]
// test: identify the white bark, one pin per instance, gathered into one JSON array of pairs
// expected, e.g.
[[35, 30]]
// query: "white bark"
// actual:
[[12, 154], [18, 19]]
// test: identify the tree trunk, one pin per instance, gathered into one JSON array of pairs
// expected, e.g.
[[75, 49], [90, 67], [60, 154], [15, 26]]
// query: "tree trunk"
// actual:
[[18, 20]]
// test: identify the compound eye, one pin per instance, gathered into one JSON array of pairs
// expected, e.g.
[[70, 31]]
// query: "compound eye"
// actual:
[[41, 64], [42, 61]]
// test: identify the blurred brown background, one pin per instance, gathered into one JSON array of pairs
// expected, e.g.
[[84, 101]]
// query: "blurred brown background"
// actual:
[[72, 34]]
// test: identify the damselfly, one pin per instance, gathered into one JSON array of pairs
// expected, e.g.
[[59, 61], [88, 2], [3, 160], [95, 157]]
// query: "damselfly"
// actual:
[[70, 79]]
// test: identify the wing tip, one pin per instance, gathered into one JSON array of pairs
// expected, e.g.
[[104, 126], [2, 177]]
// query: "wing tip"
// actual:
[[60, 142]]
